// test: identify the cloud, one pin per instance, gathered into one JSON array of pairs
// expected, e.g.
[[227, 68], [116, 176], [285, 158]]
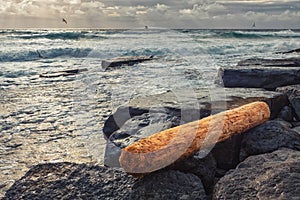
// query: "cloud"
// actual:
[[167, 13]]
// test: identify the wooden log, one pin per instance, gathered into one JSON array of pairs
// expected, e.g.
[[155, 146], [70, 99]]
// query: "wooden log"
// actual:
[[164, 148]]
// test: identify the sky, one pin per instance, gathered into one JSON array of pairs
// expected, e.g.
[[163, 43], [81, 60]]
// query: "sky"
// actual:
[[281, 14]]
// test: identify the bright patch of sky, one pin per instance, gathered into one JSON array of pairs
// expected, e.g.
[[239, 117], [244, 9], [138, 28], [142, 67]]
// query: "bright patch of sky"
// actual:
[[153, 13]]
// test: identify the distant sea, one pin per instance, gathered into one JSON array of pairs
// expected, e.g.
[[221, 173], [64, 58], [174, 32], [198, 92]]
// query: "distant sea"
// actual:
[[40, 117]]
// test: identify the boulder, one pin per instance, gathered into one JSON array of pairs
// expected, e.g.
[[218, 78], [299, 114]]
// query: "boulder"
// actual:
[[133, 129], [204, 168], [259, 76], [283, 62], [71, 181], [269, 137], [297, 129], [227, 153], [293, 93], [269, 176], [128, 60], [286, 114], [168, 185]]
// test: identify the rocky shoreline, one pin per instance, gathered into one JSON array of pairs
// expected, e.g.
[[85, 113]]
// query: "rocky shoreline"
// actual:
[[262, 163]]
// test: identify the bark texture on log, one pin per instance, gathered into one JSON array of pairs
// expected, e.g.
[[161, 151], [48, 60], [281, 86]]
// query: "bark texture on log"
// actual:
[[166, 147]]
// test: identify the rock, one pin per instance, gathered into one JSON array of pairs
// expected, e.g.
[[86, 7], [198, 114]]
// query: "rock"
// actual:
[[297, 129], [293, 93], [187, 106], [62, 73], [227, 153], [142, 126], [259, 76], [295, 124], [269, 137], [286, 114], [130, 60], [204, 168], [71, 181], [134, 129], [285, 62], [291, 51], [168, 185], [269, 176], [117, 119]]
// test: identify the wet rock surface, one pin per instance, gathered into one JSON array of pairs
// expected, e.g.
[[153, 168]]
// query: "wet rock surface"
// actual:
[[258, 76], [283, 62], [71, 181], [169, 185], [269, 137], [293, 93], [268, 176]]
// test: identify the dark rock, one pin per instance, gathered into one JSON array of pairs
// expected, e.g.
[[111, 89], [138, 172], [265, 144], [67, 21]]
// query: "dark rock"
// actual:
[[168, 185], [297, 129], [71, 181], [259, 76], [293, 93], [269, 137], [204, 168], [286, 114], [119, 117], [269, 176], [291, 51], [142, 126], [62, 73], [227, 153], [284, 62], [188, 106], [130, 60], [134, 129], [295, 124]]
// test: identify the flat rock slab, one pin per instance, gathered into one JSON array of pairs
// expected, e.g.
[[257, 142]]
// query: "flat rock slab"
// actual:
[[285, 62], [268, 176], [291, 51], [71, 181], [293, 93], [69, 72], [189, 106], [129, 60], [259, 76], [269, 137]]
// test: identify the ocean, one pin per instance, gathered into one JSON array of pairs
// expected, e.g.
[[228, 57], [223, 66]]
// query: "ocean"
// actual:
[[61, 118]]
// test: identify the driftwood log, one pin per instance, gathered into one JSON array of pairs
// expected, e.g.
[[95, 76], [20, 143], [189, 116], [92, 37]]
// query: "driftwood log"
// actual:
[[164, 148]]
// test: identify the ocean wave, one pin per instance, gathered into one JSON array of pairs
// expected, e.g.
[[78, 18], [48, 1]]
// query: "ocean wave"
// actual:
[[68, 35], [242, 34], [44, 54], [17, 74], [258, 34]]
